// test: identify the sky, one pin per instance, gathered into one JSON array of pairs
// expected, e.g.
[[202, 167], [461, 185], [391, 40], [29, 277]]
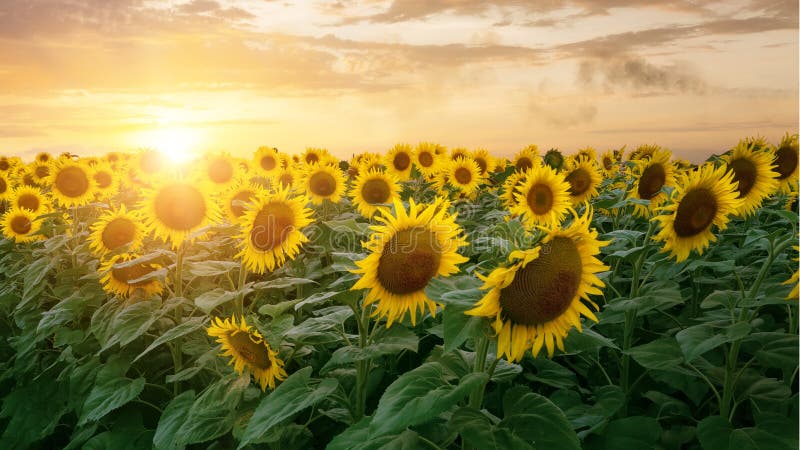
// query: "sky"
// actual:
[[362, 75]]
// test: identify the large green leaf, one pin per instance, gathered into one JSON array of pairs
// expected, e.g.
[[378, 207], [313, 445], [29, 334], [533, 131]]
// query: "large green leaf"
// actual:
[[660, 354], [171, 421], [552, 430], [293, 395], [478, 431], [32, 413], [418, 396], [396, 339], [458, 327], [190, 325], [111, 390]]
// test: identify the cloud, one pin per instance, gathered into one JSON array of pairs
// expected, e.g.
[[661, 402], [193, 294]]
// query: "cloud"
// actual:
[[561, 114], [640, 76]]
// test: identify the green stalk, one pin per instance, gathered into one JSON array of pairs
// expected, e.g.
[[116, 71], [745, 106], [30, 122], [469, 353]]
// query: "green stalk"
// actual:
[[239, 305], [362, 366], [481, 348], [177, 354], [630, 315]]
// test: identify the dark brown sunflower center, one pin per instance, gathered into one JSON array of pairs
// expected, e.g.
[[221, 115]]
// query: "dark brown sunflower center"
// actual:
[[481, 165], [112, 157], [651, 181], [744, 171], [28, 180], [242, 197], [286, 179], [117, 233], [180, 207], [103, 179], [524, 164], [579, 181], [608, 163], [272, 225], [463, 175], [4, 164], [42, 171], [540, 199], [546, 287], [72, 181], [134, 272], [322, 184], [268, 162], [401, 161], [256, 354], [695, 212], [20, 224], [786, 159], [311, 158], [220, 171], [409, 261], [376, 191], [28, 201], [43, 157], [3, 186], [425, 159]]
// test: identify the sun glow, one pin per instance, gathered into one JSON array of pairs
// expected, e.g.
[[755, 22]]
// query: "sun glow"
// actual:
[[179, 145]]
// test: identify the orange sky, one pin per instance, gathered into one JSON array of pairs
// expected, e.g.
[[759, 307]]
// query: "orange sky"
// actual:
[[100, 75]]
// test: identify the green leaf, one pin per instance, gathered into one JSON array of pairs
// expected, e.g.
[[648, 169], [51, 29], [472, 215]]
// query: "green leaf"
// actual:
[[553, 374], [209, 300], [32, 413], [699, 339], [111, 391], [132, 321], [292, 396], [282, 283], [660, 354], [418, 396], [636, 432], [190, 325], [396, 339], [458, 327], [172, 420], [552, 431], [714, 433], [726, 299], [455, 286], [478, 431], [212, 268], [777, 350], [213, 413]]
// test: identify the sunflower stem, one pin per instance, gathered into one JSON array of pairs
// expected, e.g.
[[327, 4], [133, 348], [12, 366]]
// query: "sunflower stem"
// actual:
[[630, 316], [239, 305], [362, 366], [177, 354], [481, 349]]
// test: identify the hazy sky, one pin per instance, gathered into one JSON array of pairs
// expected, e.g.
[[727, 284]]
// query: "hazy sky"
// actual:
[[100, 75]]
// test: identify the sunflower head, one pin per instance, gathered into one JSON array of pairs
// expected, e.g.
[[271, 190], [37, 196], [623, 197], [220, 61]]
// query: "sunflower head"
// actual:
[[20, 225], [122, 275], [786, 160], [399, 160], [543, 198], [526, 158], [285, 179], [266, 160], [236, 200], [458, 153], [30, 198], [323, 182], [583, 177], [464, 174], [485, 161], [6, 164], [587, 153], [650, 176], [704, 198], [72, 183], [372, 190], [426, 158], [40, 171], [408, 250], [271, 230], [106, 180], [248, 350], [643, 151], [175, 209], [608, 163], [115, 230], [511, 188], [554, 158], [219, 171], [539, 296], [754, 174], [148, 165], [6, 190]]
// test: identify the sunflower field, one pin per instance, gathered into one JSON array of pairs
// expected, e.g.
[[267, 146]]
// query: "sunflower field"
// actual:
[[422, 299]]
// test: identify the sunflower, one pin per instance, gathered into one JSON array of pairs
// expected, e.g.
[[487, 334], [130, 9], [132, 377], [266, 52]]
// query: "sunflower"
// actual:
[[271, 230], [267, 161], [406, 252], [5, 187], [30, 198], [704, 198], [219, 171], [650, 175], [608, 163], [398, 161], [149, 165], [323, 182], [458, 153], [485, 161], [643, 151], [554, 158], [426, 158], [40, 171], [72, 183], [464, 174], [587, 153], [44, 157], [248, 349], [753, 171], [20, 225], [235, 200], [526, 158], [543, 198], [123, 278], [786, 158], [536, 300], [105, 179], [793, 281], [285, 179], [372, 189], [6, 164], [116, 229], [583, 177], [174, 209], [511, 190]]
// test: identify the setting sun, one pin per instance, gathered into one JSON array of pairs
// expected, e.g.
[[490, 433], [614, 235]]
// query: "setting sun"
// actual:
[[178, 144]]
